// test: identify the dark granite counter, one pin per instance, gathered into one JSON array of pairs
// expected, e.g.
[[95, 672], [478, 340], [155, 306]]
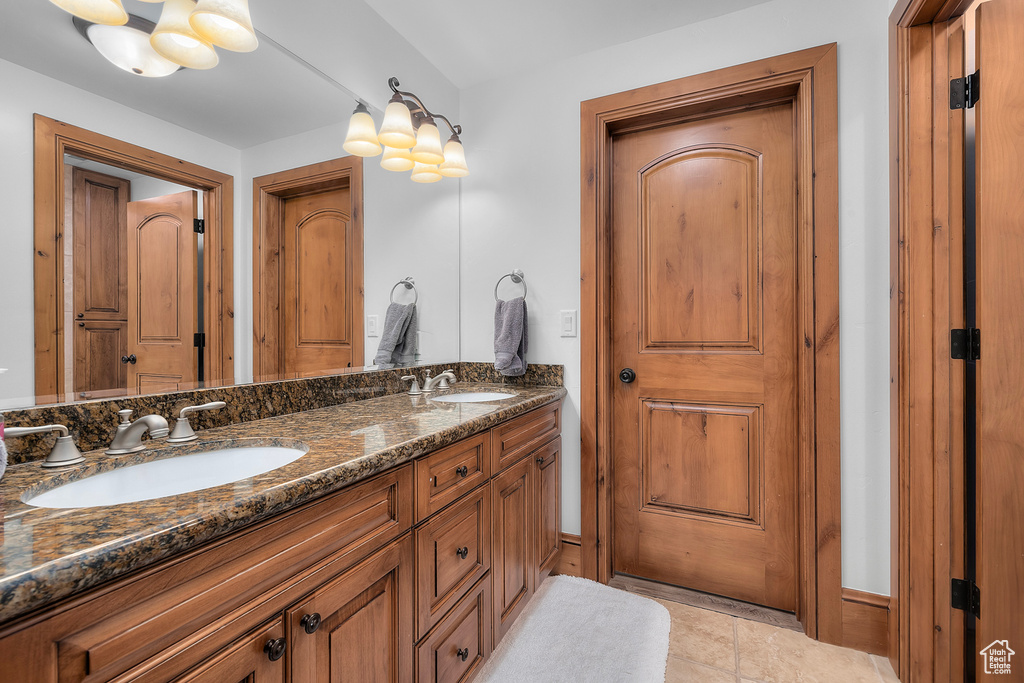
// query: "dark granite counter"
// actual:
[[49, 554]]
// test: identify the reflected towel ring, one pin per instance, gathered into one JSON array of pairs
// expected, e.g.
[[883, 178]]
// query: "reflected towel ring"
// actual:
[[517, 277], [409, 284]]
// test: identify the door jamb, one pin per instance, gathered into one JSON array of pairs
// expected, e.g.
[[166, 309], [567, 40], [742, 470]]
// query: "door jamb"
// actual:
[[268, 195], [809, 79], [52, 139]]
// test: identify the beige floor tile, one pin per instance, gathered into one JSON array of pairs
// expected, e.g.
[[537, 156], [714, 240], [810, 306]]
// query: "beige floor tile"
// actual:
[[885, 669], [701, 636], [682, 671], [776, 655]]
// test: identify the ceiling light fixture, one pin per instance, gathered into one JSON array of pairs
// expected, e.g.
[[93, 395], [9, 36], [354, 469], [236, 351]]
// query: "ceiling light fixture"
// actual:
[[409, 137], [185, 36]]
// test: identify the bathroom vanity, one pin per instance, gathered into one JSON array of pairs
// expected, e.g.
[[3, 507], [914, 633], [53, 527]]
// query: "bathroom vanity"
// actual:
[[401, 547]]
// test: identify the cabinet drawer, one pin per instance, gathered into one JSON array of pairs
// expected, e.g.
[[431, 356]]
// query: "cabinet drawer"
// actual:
[[247, 659], [453, 551], [443, 476], [456, 649], [516, 438]]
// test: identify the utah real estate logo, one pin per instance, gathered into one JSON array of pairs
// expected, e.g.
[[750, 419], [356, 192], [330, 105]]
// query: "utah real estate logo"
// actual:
[[997, 657]]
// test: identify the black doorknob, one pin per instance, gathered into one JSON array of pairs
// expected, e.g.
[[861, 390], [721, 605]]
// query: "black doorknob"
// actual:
[[129, 359], [462, 471], [463, 653], [275, 649], [627, 375], [462, 552], [310, 623]]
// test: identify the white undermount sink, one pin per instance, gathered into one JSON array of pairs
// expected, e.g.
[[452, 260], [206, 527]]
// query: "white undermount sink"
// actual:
[[169, 477], [472, 397]]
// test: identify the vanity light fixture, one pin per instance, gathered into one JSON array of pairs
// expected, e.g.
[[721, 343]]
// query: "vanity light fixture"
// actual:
[[410, 139], [185, 36]]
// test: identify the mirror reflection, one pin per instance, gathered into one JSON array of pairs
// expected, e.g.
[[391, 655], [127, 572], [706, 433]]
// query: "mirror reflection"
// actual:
[[311, 251]]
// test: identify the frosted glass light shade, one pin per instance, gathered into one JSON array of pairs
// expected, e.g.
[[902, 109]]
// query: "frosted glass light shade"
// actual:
[[425, 173], [396, 130], [106, 12], [129, 49], [225, 23], [397, 159], [175, 40], [454, 165], [361, 139], [428, 144]]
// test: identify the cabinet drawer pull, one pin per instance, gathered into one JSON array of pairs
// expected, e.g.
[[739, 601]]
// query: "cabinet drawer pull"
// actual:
[[463, 653], [540, 460], [462, 471], [310, 623], [275, 649], [462, 552]]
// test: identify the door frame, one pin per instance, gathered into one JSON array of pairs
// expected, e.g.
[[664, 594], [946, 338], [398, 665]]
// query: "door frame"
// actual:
[[926, 221], [268, 195], [808, 79], [52, 140]]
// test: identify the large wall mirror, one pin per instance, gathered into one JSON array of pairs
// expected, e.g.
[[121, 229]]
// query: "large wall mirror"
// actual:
[[201, 228]]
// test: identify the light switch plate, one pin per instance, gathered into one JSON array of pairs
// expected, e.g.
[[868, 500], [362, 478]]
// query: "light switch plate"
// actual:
[[372, 324], [568, 323]]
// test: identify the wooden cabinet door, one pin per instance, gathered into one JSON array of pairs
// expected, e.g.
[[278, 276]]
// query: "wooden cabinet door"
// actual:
[[547, 509], [361, 623], [247, 660], [512, 563]]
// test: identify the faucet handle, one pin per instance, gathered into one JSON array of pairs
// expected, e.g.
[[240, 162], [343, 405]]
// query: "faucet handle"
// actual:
[[182, 429], [64, 451], [443, 382], [414, 390], [213, 405], [126, 416]]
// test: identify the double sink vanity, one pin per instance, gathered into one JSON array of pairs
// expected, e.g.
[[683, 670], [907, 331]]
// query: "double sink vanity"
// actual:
[[394, 538]]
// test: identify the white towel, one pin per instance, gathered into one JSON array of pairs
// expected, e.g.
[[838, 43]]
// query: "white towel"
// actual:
[[398, 339]]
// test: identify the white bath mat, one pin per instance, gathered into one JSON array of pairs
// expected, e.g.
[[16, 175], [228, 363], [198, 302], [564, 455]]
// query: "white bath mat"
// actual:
[[581, 631]]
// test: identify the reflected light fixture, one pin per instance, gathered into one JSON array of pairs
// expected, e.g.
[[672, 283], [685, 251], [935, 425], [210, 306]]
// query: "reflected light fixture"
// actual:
[[127, 47], [410, 139], [185, 36]]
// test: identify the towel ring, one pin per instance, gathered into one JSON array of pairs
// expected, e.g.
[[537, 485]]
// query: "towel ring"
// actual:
[[409, 284], [517, 277]]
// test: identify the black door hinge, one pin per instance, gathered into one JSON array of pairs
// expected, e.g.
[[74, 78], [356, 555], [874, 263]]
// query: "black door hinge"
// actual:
[[199, 340], [964, 92], [199, 225], [966, 596], [965, 344]]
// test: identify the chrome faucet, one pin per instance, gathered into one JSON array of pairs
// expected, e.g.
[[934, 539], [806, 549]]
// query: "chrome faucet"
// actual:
[[182, 429], [440, 382], [129, 434], [64, 451]]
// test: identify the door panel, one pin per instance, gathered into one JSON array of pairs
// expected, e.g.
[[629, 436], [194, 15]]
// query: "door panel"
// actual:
[[100, 233], [318, 248], [1000, 283], [162, 275], [704, 310], [99, 346]]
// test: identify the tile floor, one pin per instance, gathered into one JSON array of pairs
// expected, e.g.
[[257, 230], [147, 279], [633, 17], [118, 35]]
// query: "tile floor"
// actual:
[[711, 647]]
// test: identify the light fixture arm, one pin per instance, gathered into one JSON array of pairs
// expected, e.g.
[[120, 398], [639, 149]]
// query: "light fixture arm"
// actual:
[[393, 84]]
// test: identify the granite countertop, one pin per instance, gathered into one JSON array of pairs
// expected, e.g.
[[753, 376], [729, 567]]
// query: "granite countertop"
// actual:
[[49, 554]]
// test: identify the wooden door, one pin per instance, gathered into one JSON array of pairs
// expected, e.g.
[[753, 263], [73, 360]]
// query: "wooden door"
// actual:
[[999, 167], [548, 509], [704, 289], [162, 277], [247, 660], [319, 281], [100, 236], [364, 620], [512, 565]]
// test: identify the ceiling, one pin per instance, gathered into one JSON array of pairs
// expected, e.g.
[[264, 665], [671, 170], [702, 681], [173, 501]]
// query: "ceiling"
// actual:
[[471, 41]]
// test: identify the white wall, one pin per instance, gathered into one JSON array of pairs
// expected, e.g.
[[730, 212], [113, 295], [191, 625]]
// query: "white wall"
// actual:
[[520, 208], [24, 93], [409, 229]]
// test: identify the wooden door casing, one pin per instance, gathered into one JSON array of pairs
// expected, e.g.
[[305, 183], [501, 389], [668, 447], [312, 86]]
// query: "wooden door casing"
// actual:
[[366, 623], [705, 301], [162, 277]]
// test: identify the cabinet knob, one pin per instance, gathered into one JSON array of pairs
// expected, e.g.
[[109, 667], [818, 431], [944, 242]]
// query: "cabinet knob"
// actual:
[[275, 649], [462, 471], [81, 315], [540, 460], [463, 653], [462, 552], [310, 623]]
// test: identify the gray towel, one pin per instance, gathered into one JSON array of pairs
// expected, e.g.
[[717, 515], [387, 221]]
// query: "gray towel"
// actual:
[[398, 340], [511, 337]]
